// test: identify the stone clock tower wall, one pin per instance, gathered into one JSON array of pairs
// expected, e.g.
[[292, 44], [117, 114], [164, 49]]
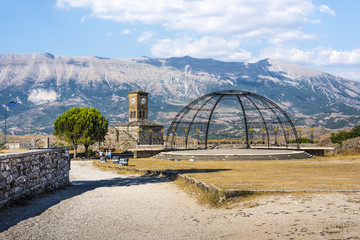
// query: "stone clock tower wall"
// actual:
[[138, 133], [138, 106]]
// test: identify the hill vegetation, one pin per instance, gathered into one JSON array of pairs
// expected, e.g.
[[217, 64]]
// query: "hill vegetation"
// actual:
[[343, 135]]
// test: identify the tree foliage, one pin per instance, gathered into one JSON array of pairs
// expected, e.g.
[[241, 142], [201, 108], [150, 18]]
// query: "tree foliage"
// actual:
[[342, 136], [81, 126]]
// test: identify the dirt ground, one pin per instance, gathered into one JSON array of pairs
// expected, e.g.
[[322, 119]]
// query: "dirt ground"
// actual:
[[105, 205]]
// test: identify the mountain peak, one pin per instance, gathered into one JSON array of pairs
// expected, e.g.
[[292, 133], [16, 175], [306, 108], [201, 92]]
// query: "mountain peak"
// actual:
[[292, 70], [48, 85]]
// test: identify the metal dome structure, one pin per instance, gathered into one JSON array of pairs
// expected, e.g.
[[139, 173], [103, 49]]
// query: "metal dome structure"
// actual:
[[255, 120]]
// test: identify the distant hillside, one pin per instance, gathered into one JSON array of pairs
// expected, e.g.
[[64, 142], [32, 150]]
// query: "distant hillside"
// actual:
[[48, 85]]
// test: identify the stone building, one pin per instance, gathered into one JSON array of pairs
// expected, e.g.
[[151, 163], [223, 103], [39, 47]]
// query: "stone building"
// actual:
[[138, 132]]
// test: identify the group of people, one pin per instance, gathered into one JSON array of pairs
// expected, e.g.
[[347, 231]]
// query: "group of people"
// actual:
[[107, 153]]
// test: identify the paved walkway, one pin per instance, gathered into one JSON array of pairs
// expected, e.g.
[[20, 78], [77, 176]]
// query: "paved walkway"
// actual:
[[104, 205]]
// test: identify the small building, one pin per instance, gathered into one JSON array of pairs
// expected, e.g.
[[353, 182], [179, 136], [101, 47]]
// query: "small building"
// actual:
[[138, 132]]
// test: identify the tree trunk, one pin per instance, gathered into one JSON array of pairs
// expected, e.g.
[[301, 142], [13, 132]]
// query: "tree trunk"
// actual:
[[86, 150], [75, 150]]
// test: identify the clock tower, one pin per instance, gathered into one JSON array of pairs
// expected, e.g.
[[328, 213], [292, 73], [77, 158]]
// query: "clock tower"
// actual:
[[138, 135], [138, 106]]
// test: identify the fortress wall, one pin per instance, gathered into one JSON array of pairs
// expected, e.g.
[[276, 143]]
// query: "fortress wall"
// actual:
[[32, 172]]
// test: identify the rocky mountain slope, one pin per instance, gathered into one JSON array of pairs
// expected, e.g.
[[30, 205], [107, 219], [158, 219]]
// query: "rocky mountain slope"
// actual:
[[48, 85]]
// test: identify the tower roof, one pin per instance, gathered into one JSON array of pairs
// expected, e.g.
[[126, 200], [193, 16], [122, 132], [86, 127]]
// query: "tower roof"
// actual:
[[138, 91]]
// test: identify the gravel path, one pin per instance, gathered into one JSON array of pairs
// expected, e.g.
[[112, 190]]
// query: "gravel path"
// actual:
[[105, 205]]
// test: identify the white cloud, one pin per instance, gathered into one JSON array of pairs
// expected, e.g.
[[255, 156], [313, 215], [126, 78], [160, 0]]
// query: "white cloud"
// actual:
[[216, 47], [319, 56], [353, 74], [276, 21], [290, 35], [339, 58], [125, 31], [326, 9], [146, 36], [316, 21], [288, 54], [224, 29], [236, 21], [205, 17]]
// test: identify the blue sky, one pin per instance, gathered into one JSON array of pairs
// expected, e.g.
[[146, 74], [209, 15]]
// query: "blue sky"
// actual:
[[321, 34]]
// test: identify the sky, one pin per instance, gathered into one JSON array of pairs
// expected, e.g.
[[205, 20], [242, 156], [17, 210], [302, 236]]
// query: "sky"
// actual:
[[321, 34]]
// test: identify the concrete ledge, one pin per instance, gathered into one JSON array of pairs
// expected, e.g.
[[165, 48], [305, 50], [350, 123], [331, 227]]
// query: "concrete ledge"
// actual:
[[235, 154]]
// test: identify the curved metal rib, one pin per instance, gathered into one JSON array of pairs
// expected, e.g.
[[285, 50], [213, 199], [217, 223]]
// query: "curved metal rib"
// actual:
[[284, 113], [187, 134], [245, 121], [209, 120], [262, 117]]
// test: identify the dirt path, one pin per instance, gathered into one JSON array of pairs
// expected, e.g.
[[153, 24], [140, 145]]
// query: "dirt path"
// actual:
[[104, 205]]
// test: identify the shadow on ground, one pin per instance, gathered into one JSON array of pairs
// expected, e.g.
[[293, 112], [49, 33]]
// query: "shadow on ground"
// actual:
[[14, 214]]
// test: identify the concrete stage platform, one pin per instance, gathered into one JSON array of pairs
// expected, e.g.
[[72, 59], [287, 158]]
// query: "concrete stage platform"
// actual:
[[234, 154]]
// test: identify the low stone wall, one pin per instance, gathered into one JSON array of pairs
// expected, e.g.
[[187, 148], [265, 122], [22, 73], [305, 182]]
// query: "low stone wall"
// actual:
[[32, 172]]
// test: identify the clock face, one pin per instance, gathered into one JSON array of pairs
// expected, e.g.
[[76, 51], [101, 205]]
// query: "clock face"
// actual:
[[143, 100], [132, 100]]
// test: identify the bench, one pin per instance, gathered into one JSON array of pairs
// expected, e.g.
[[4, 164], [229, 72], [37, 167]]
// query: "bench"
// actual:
[[116, 159], [124, 162]]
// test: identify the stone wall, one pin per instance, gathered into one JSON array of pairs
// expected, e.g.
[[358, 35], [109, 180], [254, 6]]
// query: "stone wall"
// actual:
[[118, 139], [32, 172], [151, 135], [130, 136], [348, 146]]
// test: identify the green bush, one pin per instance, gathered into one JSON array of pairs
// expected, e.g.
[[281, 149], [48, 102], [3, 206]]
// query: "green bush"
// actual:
[[342, 136], [355, 132]]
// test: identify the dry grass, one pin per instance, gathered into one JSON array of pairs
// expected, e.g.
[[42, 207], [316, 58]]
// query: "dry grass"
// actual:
[[210, 198], [319, 174], [12, 150], [29, 137]]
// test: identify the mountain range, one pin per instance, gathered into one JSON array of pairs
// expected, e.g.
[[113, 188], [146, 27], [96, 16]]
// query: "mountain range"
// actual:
[[47, 85]]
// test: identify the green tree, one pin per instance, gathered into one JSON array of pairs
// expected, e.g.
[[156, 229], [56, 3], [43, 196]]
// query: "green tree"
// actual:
[[342, 136], [339, 137], [355, 132], [81, 126], [94, 127], [66, 127]]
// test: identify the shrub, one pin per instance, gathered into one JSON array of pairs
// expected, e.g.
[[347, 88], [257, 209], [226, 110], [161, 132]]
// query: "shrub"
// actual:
[[355, 132], [342, 136]]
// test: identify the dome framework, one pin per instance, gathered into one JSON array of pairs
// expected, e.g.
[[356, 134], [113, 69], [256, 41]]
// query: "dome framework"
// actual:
[[255, 120]]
